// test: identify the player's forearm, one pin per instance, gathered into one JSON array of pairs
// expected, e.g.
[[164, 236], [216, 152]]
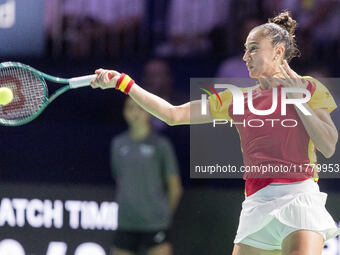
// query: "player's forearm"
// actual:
[[323, 135], [155, 105], [174, 196], [172, 115]]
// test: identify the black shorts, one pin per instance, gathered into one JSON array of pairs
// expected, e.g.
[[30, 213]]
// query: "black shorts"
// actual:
[[136, 241]]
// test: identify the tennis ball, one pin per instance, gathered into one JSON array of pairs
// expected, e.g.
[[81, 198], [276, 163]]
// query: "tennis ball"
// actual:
[[6, 96]]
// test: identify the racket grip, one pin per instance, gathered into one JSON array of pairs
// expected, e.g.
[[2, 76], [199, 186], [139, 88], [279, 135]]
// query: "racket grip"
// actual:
[[82, 81]]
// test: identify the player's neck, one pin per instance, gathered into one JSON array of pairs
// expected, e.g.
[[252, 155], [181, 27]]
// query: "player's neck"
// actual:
[[268, 83], [139, 133]]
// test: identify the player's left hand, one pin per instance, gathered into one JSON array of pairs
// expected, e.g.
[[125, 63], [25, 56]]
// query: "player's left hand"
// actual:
[[291, 80]]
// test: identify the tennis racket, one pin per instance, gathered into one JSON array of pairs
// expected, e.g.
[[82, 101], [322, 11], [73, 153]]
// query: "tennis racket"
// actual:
[[30, 91]]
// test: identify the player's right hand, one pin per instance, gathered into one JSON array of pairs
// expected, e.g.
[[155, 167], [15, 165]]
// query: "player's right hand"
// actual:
[[105, 79]]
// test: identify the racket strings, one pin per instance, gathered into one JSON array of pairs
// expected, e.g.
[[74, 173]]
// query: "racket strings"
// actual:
[[29, 93]]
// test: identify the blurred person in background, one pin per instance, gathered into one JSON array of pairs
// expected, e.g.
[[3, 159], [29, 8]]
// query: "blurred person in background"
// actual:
[[148, 186], [189, 26], [121, 30], [285, 213], [87, 27], [77, 28], [158, 79]]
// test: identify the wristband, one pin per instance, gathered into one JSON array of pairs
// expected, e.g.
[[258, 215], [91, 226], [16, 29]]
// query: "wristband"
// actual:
[[124, 83]]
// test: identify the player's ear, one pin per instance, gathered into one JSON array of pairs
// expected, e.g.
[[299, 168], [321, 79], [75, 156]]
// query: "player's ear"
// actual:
[[279, 51]]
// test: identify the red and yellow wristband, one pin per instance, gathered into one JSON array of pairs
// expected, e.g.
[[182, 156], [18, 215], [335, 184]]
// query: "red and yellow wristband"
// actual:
[[124, 83]]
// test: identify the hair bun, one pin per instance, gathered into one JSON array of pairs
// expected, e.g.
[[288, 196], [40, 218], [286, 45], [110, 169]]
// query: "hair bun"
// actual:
[[285, 21]]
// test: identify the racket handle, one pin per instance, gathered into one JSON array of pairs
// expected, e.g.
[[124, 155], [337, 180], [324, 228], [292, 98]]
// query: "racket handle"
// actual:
[[82, 81]]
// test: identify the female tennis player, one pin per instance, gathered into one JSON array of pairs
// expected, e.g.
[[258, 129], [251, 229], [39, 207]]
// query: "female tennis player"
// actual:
[[279, 215]]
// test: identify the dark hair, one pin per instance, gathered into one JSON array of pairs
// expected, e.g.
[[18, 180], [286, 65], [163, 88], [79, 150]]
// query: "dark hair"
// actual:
[[281, 30]]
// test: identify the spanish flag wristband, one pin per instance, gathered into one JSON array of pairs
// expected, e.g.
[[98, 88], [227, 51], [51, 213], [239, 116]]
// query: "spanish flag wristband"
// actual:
[[124, 83]]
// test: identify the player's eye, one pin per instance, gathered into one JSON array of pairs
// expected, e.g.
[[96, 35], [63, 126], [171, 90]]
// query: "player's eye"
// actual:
[[251, 49]]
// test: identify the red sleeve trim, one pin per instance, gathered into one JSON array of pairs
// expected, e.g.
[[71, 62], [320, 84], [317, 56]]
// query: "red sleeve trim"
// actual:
[[311, 87]]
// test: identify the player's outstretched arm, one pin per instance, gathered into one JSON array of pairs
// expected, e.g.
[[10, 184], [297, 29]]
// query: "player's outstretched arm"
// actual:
[[189, 113]]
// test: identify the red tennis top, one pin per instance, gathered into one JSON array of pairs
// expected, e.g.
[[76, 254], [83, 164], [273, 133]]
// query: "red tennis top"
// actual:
[[275, 147]]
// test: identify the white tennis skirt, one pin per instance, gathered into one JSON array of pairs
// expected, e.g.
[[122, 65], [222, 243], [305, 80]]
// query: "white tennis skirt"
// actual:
[[299, 205]]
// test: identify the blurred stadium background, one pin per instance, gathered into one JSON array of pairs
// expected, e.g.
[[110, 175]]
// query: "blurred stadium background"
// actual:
[[61, 160]]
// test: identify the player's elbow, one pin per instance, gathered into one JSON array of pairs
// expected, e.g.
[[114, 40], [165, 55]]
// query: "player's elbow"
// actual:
[[329, 150], [332, 145], [168, 117], [174, 117], [171, 122], [329, 146], [328, 154]]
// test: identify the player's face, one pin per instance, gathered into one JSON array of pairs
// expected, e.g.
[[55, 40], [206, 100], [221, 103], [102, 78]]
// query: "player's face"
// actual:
[[259, 55], [134, 114]]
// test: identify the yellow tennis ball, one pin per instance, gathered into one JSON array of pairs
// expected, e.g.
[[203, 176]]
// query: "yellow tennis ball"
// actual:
[[6, 96]]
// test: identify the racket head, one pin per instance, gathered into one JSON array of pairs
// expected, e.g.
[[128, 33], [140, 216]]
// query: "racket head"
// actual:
[[30, 93]]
